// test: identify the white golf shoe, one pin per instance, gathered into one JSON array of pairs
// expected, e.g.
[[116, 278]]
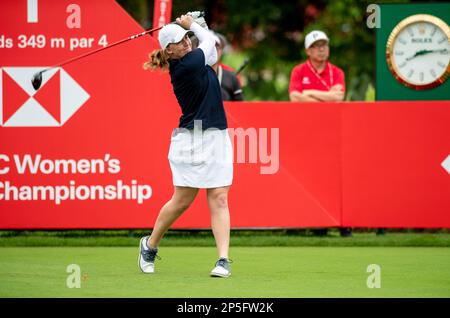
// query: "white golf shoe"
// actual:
[[147, 255], [222, 268]]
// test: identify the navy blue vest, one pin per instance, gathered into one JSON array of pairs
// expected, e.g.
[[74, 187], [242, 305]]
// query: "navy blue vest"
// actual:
[[198, 92]]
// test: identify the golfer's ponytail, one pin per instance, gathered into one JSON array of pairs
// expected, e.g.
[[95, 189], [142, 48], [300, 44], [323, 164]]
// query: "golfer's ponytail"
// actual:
[[157, 59]]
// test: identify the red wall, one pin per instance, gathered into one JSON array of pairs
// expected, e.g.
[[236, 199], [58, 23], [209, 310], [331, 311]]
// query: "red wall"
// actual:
[[349, 164], [392, 156]]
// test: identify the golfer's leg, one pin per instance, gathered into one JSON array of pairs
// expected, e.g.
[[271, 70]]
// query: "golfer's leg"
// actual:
[[180, 201], [220, 218]]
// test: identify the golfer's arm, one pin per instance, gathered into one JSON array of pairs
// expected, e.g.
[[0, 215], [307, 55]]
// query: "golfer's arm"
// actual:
[[325, 96], [296, 96], [207, 43]]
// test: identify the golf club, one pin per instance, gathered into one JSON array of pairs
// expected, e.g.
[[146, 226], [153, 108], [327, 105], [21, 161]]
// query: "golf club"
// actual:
[[36, 80], [244, 64]]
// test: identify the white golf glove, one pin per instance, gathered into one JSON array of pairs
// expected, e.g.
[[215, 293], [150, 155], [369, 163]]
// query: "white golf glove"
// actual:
[[199, 17]]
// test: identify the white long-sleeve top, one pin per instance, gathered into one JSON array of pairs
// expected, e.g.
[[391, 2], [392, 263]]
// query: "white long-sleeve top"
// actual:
[[207, 43]]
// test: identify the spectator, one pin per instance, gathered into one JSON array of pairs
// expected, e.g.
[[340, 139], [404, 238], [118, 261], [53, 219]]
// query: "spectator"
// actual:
[[317, 80], [224, 47], [229, 83]]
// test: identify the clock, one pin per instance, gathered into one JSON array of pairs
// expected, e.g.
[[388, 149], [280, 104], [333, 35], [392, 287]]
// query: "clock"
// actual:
[[418, 51]]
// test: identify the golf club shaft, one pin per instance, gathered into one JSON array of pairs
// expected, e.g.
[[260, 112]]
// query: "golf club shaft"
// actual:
[[242, 66], [103, 48]]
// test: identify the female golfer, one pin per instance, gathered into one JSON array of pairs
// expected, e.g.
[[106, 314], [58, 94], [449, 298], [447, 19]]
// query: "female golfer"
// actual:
[[200, 154]]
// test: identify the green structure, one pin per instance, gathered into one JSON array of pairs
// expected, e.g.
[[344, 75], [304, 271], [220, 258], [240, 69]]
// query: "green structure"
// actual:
[[421, 51]]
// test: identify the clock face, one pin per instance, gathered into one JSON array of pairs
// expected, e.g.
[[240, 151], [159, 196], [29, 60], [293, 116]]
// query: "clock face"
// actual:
[[418, 51]]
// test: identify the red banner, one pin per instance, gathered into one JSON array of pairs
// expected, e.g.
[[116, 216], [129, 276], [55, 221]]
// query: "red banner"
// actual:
[[89, 148], [396, 164], [162, 12]]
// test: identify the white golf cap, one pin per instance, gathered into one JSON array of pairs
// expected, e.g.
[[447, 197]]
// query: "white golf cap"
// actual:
[[314, 36], [171, 33]]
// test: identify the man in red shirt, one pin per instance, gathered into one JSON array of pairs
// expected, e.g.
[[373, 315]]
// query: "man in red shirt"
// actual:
[[317, 80]]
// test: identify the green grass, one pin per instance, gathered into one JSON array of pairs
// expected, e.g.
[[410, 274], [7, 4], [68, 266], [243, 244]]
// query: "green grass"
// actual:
[[257, 272], [206, 239]]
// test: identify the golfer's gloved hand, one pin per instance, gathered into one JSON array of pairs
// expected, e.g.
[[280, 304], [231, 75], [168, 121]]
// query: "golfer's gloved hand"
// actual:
[[199, 17]]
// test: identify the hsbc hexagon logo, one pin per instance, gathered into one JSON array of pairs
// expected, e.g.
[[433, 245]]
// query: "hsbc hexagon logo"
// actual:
[[58, 98]]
